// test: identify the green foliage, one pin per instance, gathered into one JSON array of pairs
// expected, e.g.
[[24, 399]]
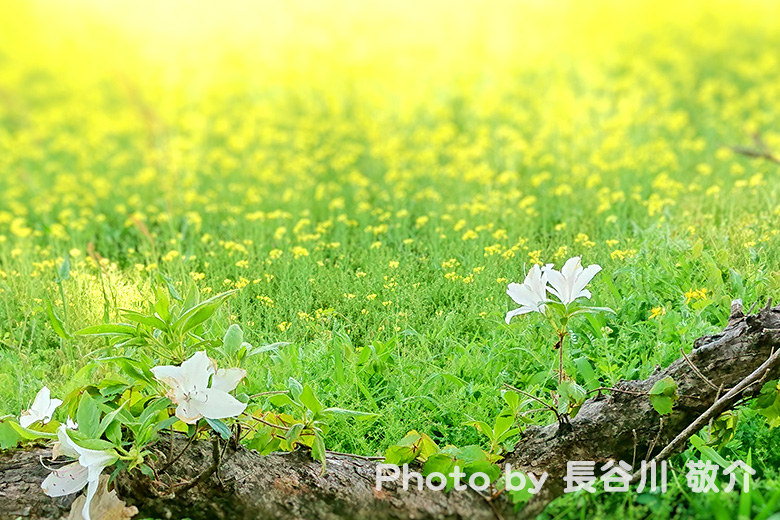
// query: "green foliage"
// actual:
[[663, 395], [125, 411], [768, 403], [414, 446]]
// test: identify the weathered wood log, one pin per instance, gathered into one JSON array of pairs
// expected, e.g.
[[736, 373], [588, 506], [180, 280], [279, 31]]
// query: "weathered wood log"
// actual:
[[619, 426]]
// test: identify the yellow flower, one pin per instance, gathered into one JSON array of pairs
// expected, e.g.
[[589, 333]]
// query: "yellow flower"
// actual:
[[695, 294], [299, 251], [170, 256], [469, 235], [19, 228], [622, 255], [656, 312]]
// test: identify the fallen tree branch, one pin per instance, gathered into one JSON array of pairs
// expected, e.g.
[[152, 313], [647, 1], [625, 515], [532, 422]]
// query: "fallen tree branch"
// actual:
[[720, 406], [289, 485], [761, 151]]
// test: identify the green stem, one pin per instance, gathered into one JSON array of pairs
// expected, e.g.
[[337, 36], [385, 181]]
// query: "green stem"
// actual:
[[560, 363]]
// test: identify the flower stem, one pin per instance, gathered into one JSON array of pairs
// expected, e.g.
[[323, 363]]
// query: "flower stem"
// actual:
[[560, 363], [562, 333]]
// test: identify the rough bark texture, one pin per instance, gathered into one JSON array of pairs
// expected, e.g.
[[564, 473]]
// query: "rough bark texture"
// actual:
[[619, 426]]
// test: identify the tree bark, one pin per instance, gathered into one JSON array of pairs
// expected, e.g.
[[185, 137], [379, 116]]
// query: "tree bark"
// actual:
[[620, 426]]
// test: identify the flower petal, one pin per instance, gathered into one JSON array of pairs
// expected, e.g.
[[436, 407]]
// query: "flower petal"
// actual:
[[584, 279], [95, 460], [168, 374], [65, 480], [520, 294], [227, 379], [571, 267], [558, 285], [197, 370], [65, 446], [41, 403], [91, 490], [42, 408], [218, 404], [187, 413], [518, 312]]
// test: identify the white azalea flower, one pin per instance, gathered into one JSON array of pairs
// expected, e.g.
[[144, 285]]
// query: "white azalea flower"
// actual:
[[41, 410], [190, 388], [531, 294], [73, 477], [569, 283]]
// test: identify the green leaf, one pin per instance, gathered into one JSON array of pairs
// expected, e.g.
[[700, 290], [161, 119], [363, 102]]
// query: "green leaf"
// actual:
[[63, 273], [114, 433], [88, 416], [663, 395], [511, 398], [273, 347], [162, 305], [171, 288], [428, 447], [193, 296], [200, 313], [470, 454], [400, 455], [134, 369], [145, 319], [56, 322], [296, 389], [281, 400], [361, 416], [591, 310], [696, 249], [768, 403], [502, 424], [483, 428], [338, 357], [585, 369], [439, 463], [234, 338], [90, 444], [107, 420], [483, 466], [318, 450], [310, 400], [219, 427], [405, 450], [30, 435], [293, 434], [520, 496], [107, 329], [9, 438]]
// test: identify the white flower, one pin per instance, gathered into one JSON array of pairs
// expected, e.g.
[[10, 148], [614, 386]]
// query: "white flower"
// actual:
[[569, 283], [190, 389], [73, 477], [41, 410], [531, 294], [71, 424]]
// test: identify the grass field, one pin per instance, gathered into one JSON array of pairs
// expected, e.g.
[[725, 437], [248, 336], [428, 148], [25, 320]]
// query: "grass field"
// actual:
[[373, 177]]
